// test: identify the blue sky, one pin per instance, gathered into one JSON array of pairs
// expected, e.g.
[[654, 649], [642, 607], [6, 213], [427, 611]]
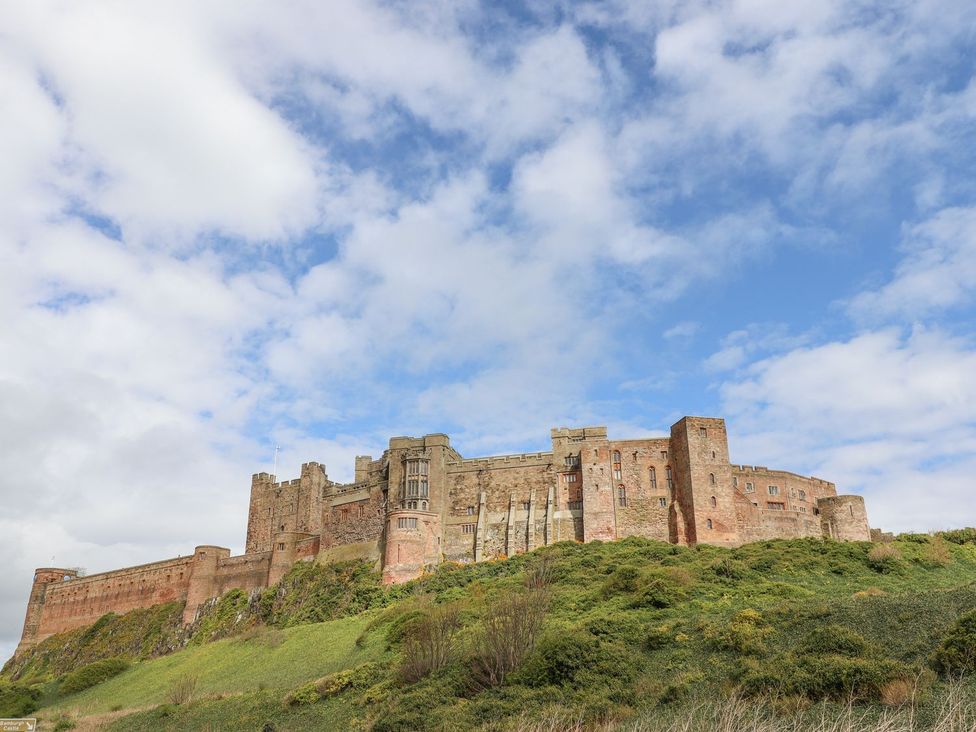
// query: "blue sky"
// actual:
[[229, 225]]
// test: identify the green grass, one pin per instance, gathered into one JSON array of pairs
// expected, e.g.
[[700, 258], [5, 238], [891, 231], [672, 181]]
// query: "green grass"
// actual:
[[235, 665], [634, 628]]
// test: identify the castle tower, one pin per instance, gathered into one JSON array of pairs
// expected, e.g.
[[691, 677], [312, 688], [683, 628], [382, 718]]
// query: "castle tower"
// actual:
[[202, 584], [703, 480], [43, 577], [291, 505], [417, 500], [844, 518]]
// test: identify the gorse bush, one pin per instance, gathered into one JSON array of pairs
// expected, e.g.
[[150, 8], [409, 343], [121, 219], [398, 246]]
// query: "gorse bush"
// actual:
[[558, 658], [17, 700], [884, 558], [92, 674], [821, 677], [956, 653], [960, 536], [834, 639]]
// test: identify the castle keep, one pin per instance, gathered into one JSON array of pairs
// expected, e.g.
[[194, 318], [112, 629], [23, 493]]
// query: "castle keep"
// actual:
[[422, 503]]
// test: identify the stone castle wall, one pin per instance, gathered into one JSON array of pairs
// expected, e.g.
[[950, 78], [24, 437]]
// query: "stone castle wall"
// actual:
[[422, 503]]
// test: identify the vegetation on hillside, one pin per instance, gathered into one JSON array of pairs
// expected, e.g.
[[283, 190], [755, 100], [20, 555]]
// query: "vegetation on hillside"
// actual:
[[629, 634]]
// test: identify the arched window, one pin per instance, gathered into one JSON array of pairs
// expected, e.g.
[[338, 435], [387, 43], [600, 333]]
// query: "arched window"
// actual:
[[653, 479], [616, 456], [708, 523], [711, 478], [621, 495], [714, 502]]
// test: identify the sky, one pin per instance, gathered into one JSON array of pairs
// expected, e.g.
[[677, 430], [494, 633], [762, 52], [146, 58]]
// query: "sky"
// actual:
[[230, 225]]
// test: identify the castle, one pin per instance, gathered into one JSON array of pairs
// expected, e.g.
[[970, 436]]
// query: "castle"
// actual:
[[422, 503]]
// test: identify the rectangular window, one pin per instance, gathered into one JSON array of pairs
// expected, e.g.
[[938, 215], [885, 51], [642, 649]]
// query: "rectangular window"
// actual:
[[775, 506], [803, 495], [670, 478], [281, 547], [622, 496], [575, 505], [406, 523], [362, 511], [525, 505], [572, 461], [662, 502], [571, 477], [664, 454], [467, 528], [750, 488], [653, 479], [616, 472], [774, 490], [735, 482], [470, 510], [702, 432]]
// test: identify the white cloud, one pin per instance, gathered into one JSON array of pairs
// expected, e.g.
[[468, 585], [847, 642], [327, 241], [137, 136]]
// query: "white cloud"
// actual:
[[937, 272], [159, 135], [882, 414], [683, 330]]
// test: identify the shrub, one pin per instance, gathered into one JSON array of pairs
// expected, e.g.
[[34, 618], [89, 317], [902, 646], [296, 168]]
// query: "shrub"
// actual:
[[659, 591], [92, 674], [729, 568], [557, 658], [17, 700], [821, 677], [428, 644], [360, 677], [936, 554], [64, 723], [745, 634], [624, 579], [960, 536], [834, 639], [303, 695], [884, 558], [510, 628], [182, 690], [956, 653]]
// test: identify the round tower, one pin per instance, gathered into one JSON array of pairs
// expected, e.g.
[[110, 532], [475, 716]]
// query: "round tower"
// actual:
[[202, 584], [844, 518], [43, 576]]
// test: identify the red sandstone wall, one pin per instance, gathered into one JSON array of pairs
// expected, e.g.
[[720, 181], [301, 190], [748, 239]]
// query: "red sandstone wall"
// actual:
[[247, 572], [81, 601], [646, 504]]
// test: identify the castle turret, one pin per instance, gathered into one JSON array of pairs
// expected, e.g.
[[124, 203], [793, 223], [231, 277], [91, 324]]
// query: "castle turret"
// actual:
[[202, 584], [43, 577], [844, 518]]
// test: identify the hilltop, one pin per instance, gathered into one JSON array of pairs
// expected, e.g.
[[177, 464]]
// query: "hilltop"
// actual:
[[631, 634]]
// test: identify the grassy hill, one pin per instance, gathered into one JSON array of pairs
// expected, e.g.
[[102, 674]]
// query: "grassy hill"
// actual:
[[633, 634]]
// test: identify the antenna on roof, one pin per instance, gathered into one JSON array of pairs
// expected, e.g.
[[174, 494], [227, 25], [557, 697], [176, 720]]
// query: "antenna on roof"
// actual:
[[274, 472]]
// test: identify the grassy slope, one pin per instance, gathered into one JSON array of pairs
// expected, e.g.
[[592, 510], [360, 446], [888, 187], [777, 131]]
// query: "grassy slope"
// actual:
[[275, 660], [661, 654]]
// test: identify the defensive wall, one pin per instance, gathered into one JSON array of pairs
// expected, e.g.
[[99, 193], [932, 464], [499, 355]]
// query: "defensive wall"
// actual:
[[422, 503]]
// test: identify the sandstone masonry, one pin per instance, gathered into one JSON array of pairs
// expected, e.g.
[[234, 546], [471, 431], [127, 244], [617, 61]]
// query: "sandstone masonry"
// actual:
[[422, 503]]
